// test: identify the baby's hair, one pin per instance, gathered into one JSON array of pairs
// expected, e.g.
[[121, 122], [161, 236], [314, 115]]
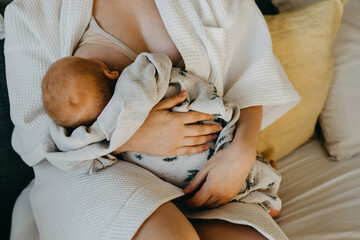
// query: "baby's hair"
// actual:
[[75, 91]]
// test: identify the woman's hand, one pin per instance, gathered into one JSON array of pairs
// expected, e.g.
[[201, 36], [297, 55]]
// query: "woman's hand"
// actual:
[[166, 133], [221, 178]]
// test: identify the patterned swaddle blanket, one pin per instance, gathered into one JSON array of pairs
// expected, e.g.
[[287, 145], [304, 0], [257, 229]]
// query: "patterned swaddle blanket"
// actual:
[[263, 181], [202, 97], [141, 85]]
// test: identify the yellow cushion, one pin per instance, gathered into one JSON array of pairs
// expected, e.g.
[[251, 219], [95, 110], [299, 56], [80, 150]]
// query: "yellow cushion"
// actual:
[[302, 41]]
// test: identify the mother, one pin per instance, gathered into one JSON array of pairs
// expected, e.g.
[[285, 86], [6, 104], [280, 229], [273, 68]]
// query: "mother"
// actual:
[[114, 203]]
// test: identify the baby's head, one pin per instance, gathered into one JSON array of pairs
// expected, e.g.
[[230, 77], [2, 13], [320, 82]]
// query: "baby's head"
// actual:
[[76, 90]]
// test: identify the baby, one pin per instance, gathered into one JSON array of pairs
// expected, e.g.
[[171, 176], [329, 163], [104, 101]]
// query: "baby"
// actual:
[[76, 90]]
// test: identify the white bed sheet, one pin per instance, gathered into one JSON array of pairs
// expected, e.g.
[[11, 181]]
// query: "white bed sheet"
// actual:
[[321, 198]]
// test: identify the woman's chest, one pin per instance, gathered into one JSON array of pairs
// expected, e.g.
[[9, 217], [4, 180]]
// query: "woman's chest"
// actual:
[[137, 23]]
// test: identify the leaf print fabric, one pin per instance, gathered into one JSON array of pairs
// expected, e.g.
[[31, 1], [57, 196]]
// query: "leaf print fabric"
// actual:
[[139, 156], [214, 94], [263, 181], [191, 175], [261, 186], [211, 153], [170, 159], [220, 121]]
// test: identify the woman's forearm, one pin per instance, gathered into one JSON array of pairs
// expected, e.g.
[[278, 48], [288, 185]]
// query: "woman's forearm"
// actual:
[[248, 129]]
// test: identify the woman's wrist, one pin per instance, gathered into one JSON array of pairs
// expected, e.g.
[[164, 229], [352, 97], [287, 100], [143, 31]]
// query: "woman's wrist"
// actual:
[[243, 147]]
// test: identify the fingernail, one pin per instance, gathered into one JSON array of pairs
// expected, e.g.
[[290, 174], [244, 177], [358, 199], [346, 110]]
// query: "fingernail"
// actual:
[[183, 93], [215, 136], [206, 148], [219, 128]]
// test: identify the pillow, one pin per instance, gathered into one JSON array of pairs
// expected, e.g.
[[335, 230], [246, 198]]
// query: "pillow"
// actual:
[[302, 41], [340, 118]]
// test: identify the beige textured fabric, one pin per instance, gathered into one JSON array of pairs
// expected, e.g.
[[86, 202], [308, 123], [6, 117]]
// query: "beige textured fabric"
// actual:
[[23, 225]]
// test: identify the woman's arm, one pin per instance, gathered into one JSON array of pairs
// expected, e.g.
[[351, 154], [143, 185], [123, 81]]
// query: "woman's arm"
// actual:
[[226, 171], [248, 129]]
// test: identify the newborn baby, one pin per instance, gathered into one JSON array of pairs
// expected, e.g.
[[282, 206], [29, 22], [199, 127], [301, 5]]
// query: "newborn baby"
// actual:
[[76, 90]]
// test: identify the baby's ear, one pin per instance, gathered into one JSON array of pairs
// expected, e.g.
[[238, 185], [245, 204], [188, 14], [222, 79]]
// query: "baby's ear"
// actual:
[[113, 75]]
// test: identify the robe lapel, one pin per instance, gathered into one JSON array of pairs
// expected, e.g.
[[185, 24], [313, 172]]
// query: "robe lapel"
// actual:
[[187, 32], [75, 16]]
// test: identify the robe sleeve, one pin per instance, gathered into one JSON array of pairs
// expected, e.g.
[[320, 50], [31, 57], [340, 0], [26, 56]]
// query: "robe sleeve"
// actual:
[[37, 33], [27, 59], [252, 74]]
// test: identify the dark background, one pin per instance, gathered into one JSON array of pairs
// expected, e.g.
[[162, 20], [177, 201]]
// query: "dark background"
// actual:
[[15, 175]]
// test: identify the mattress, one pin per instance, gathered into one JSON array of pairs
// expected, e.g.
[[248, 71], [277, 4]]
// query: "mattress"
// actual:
[[321, 198]]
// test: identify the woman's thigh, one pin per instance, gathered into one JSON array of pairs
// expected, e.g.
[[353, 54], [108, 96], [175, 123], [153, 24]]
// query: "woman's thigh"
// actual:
[[112, 203], [72, 206], [218, 229], [167, 222]]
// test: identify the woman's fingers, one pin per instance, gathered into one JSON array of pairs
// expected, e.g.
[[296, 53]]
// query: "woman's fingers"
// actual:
[[201, 129], [193, 117], [200, 196], [181, 151], [198, 140], [210, 203], [197, 181], [215, 202], [198, 199], [171, 101]]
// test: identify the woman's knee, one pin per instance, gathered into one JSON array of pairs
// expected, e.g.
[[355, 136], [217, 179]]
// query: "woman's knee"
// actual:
[[167, 222], [219, 229]]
